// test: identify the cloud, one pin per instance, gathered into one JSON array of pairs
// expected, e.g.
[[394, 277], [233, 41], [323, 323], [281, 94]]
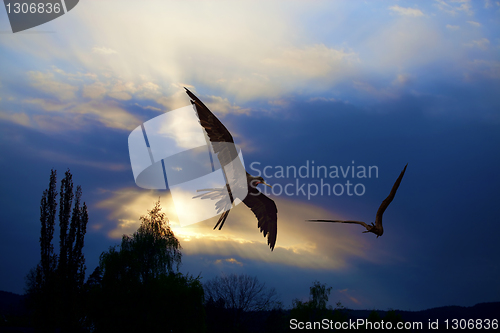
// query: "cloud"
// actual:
[[119, 89], [347, 293], [464, 6], [103, 50], [310, 61], [175, 100], [72, 160], [406, 11], [46, 82], [319, 247], [73, 115], [405, 46], [67, 111], [95, 90], [108, 113], [16, 118], [401, 80], [48, 104], [256, 60], [392, 91], [222, 106], [473, 23], [229, 260], [485, 68], [122, 90], [482, 43], [388, 92], [315, 99], [148, 107], [252, 59]]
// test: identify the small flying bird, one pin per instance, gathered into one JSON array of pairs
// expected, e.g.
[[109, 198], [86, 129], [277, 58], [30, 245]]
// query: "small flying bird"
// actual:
[[376, 228], [263, 207]]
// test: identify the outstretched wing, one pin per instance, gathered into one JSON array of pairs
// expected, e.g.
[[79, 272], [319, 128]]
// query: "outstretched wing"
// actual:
[[388, 200], [267, 214], [216, 131], [340, 221], [220, 194]]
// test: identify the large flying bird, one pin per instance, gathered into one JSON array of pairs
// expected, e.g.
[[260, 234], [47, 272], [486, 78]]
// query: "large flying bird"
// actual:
[[376, 228], [223, 145]]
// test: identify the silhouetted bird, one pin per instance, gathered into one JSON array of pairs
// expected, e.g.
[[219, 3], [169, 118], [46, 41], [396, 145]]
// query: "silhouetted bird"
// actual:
[[376, 228], [264, 208]]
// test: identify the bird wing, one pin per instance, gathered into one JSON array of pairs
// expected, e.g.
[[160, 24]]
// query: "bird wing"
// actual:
[[216, 131], [222, 219], [266, 212], [388, 200], [220, 194], [340, 221]]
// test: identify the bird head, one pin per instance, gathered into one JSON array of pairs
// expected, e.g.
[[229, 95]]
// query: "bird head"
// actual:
[[259, 180]]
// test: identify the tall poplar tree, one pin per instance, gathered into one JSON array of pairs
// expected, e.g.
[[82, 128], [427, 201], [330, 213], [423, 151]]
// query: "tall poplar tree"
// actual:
[[55, 285]]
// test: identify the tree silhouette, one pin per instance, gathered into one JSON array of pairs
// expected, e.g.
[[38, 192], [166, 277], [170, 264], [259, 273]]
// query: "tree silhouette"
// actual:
[[241, 292], [155, 249], [316, 308], [137, 286], [319, 295], [229, 296], [55, 285]]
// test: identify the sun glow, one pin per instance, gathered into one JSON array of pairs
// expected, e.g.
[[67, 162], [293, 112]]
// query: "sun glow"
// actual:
[[299, 243]]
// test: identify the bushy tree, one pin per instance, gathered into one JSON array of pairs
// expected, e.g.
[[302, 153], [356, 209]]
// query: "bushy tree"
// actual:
[[55, 285], [316, 308], [137, 286], [153, 248]]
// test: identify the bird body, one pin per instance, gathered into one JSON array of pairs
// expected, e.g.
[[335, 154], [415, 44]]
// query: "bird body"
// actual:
[[376, 227], [222, 143]]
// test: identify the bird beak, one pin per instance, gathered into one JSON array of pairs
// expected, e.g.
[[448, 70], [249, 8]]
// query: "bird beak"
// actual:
[[267, 184]]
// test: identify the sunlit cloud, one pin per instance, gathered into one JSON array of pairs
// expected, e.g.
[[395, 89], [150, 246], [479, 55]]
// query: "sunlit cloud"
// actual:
[[261, 59], [311, 61], [223, 106], [46, 83], [406, 11], [240, 62], [125, 207], [174, 100], [62, 109], [95, 90], [103, 50], [229, 260], [77, 115], [299, 243], [147, 107], [48, 104]]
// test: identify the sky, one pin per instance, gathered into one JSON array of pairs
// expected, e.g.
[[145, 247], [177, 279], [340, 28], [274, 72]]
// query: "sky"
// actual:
[[340, 84]]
